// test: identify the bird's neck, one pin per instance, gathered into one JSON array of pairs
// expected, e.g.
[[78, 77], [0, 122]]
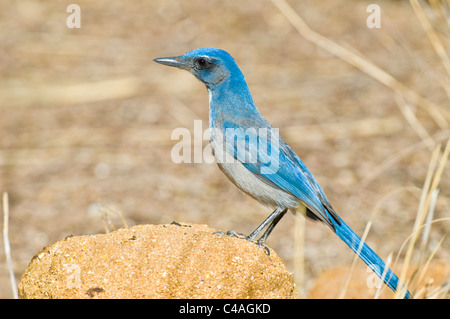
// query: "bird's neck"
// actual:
[[231, 99]]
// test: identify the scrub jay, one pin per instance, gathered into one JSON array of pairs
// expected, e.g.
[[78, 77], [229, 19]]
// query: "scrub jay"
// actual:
[[255, 158]]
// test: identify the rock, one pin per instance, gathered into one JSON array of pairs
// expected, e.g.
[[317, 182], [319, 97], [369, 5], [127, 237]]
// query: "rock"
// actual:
[[156, 261]]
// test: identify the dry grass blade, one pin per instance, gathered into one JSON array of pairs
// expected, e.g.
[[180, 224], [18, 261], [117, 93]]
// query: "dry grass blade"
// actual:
[[7, 245], [434, 38], [355, 258], [27, 94], [429, 219], [299, 260], [414, 122], [380, 287], [416, 278], [361, 63], [441, 8], [421, 272], [426, 265], [431, 183]]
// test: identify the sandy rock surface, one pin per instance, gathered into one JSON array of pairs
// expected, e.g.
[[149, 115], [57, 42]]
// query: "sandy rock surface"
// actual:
[[156, 261]]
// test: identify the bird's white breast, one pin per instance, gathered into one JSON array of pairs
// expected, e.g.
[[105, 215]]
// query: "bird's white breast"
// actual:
[[247, 181]]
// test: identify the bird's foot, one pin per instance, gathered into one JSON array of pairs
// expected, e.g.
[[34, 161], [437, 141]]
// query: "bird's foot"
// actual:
[[260, 245], [231, 233], [235, 234], [177, 224]]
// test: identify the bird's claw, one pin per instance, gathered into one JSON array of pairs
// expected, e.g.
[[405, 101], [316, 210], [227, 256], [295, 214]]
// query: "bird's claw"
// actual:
[[231, 233], [266, 249]]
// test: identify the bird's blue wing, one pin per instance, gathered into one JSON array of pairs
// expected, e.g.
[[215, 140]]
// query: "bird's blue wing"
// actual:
[[312, 181], [268, 157]]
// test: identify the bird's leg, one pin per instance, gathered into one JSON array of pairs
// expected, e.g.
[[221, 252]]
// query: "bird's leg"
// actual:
[[272, 220], [272, 225]]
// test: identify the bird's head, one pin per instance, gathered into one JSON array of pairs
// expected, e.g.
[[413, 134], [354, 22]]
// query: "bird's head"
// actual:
[[210, 65]]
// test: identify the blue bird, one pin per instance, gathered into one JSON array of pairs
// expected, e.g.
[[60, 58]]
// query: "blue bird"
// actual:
[[250, 152]]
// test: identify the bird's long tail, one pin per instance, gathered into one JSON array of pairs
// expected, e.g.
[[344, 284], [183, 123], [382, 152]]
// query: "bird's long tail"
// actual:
[[367, 255]]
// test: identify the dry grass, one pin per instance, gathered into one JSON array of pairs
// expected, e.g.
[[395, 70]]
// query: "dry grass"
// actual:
[[87, 119], [353, 57], [7, 246], [423, 222]]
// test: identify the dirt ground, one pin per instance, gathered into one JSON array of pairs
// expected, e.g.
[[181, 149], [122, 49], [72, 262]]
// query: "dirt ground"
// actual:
[[86, 119]]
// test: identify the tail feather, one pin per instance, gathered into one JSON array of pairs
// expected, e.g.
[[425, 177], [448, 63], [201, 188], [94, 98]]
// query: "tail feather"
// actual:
[[368, 256]]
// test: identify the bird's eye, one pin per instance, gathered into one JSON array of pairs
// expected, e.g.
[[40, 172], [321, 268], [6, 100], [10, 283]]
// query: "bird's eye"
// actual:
[[201, 62]]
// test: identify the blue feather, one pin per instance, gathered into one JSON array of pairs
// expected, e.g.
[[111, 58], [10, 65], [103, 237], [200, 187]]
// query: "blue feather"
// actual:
[[368, 256]]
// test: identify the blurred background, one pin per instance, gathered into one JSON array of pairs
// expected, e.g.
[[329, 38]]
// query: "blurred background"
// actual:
[[86, 119]]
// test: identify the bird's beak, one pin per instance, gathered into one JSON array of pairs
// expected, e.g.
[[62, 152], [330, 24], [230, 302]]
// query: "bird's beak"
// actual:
[[172, 61]]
